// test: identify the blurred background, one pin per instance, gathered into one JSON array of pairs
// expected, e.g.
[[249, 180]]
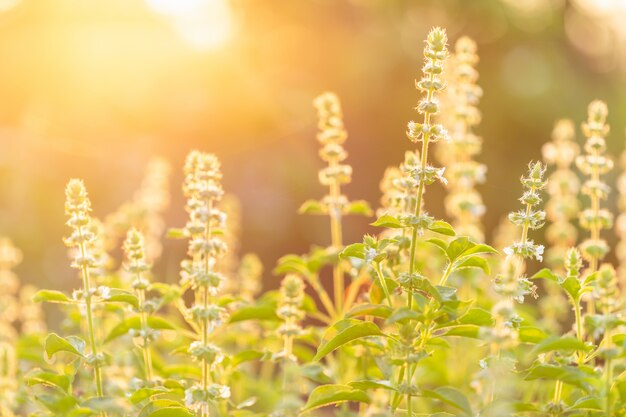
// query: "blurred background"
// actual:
[[94, 89]]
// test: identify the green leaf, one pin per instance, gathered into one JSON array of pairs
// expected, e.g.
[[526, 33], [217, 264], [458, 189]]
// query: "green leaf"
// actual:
[[121, 296], [61, 382], [546, 273], [450, 396], [177, 233], [245, 356], [567, 374], [388, 221], [474, 262], [359, 207], [262, 312], [355, 250], [457, 247], [464, 330], [530, 334], [441, 227], [587, 404], [172, 412], [566, 343], [402, 314], [353, 331], [441, 244], [58, 404], [51, 297], [372, 384], [480, 248], [477, 317], [153, 407], [72, 344], [134, 322], [144, 393], [424, 285], [312, 207], [375, 310], [332, 394], [572, 287]]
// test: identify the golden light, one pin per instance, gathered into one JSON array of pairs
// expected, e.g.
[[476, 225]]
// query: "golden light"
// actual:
[[202, 24]]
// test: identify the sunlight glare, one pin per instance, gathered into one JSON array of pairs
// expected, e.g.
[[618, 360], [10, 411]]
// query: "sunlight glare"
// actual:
[[202, 24]]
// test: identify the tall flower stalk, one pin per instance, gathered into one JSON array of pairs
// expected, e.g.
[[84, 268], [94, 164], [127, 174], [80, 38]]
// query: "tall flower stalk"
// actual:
[[134, 248], [511, 282], [464, 203], [427, 132], [620, 222], [291, 313], [563, 186], [332, 135], [203, 190], [82, 238], [594, 163]]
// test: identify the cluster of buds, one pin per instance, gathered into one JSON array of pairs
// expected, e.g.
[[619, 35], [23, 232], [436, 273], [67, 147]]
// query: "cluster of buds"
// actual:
[[144, 211], [290, 310], [606, 289], [251, 275], [620, 222], [511, 282], [84, 236], [563, 186], [435, 54], [82, 240], [399, 187], [203, 190], [137, 266], [594, 163], [464, 203], [332, 136]]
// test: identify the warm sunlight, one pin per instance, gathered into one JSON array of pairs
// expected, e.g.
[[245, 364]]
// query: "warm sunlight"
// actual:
[[203, 24]]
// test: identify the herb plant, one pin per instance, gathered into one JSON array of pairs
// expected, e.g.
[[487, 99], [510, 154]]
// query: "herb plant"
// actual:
[[421, 317]]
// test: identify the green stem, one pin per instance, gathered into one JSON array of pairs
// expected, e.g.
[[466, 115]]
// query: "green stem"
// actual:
[[409, 405], [446, 274], [90, 325], [579, 329], [383, 283], [336, 240]]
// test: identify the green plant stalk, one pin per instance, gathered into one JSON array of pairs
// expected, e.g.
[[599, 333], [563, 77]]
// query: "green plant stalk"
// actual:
[[558, 391], [609, 381], [446, 274], [595, 231], [90, 326], [409, 405], [420, 189], [208, 232], [322, 294], [143, 317], [336, 241], [579, 329], [524, 237], [383, 283]]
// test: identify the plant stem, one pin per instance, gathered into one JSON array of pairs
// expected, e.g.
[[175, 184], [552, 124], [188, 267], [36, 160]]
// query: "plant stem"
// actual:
[[383, 283], [323, 295], [446, 274], [409, 406], [336, 241], [579, 329], [90, 325]]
